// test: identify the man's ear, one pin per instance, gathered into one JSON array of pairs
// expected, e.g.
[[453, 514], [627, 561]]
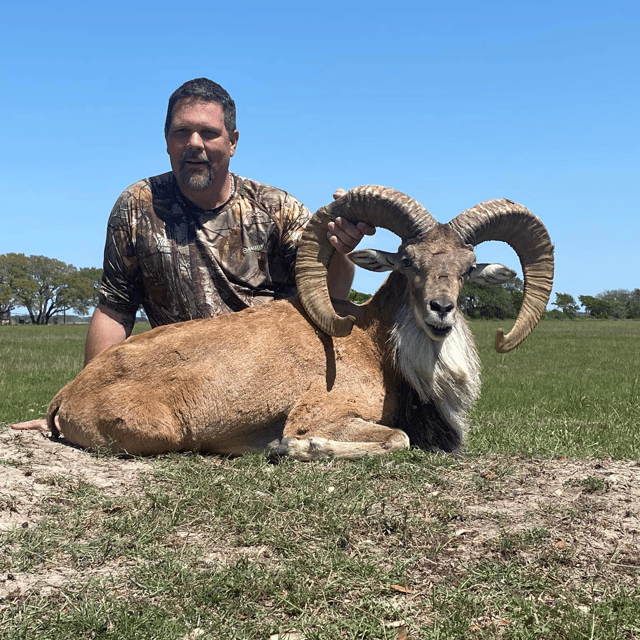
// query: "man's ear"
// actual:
[[233, 139], [374, 260], [491, 274]]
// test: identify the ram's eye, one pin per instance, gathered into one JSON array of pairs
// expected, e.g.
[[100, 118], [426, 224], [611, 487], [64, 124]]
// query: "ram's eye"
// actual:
[[406, 263], [469, 271]]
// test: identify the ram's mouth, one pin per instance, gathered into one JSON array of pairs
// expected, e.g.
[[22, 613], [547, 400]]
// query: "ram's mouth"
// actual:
[[438, 331]]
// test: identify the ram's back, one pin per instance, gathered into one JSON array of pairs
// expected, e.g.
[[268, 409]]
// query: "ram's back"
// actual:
[[224, 384]]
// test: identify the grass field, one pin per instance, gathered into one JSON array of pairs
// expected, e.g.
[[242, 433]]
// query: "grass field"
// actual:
[[572, 388], [533, 534]]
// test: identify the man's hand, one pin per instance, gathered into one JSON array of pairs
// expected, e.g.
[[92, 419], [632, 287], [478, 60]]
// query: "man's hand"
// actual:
[[343, 235], [40, 425]]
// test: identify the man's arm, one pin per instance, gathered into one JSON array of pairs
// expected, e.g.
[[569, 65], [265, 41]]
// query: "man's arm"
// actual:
[[340, 276], [345, 237], [107, 327]]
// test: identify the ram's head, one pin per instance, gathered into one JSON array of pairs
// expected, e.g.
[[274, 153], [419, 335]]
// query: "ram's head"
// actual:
[[435, 258]]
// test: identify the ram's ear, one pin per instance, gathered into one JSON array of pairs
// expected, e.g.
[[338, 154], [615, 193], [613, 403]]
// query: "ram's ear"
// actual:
[[374, 260], [491, 274]]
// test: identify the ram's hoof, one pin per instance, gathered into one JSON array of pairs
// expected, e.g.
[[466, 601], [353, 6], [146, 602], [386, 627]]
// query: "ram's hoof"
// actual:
[[305, 449], [280, 448]]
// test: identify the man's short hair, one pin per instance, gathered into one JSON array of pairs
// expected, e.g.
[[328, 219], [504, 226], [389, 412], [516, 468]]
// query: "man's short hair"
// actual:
[[208, 91]]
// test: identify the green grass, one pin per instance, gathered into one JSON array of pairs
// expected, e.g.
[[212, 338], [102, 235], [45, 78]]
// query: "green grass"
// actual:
[[572, 388], [247, 549], [35, 363]]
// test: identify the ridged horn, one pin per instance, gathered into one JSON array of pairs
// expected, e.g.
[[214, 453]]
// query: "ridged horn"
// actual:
[[375, 205], [514, 224]]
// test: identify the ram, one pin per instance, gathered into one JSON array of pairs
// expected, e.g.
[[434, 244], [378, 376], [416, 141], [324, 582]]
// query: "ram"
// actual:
[[310, 377]]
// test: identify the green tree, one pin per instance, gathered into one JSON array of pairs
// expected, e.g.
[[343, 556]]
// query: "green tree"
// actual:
[[633, 304], [613, 303], [617, 298], [82, 290], [45, 286], [596, 307], [481, 301], [567, 304], [13, 269], [357, 297]]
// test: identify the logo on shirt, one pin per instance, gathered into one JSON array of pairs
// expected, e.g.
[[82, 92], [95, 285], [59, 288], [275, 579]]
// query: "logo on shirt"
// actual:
[[257, 247]]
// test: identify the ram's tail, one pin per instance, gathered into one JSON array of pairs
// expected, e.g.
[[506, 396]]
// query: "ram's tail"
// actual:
[[54, 407]]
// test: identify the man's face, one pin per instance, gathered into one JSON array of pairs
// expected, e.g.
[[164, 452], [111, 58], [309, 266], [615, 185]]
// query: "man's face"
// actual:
[[199, 145]]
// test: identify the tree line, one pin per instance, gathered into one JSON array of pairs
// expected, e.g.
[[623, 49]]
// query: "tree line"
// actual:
[[502, 302], [616, 303], [46, 287], [477, 301]]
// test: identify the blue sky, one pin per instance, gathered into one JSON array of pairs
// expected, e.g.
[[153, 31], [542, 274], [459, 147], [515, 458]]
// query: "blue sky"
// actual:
[[452, 103]]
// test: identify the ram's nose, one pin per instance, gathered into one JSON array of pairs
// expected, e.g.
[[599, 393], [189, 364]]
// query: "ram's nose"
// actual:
[[442, 307]]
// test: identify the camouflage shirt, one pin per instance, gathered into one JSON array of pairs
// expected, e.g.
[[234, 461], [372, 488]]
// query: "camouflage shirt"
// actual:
[[182, 262]]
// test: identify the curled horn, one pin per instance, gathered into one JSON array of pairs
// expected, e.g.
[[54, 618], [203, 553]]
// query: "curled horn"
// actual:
[[524, 232], [377, 206]]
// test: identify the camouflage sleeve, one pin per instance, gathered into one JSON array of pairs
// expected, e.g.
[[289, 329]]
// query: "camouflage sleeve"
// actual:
[[295, 217], [120, 288]]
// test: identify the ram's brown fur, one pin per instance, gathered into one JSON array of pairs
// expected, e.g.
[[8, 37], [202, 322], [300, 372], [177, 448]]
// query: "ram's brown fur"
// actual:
[[228, 384]]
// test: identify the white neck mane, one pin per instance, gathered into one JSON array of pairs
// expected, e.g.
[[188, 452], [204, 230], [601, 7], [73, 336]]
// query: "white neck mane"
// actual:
[[445, 372]]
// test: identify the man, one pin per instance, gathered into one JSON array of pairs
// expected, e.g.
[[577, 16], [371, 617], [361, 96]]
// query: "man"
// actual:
[[199, 240]]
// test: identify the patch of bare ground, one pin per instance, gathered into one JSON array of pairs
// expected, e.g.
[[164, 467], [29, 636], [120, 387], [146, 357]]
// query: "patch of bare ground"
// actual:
[[35, 468], [30, 463], [577, 521]]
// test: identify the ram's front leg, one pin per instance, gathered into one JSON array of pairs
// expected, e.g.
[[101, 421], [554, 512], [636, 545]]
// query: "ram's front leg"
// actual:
[[328, 428]]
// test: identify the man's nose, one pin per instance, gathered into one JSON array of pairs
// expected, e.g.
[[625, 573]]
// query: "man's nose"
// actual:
[[195, 141]]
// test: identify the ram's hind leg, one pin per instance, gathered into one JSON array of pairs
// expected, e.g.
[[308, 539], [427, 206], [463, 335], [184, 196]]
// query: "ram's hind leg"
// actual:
[[330, 429], [370, 440]]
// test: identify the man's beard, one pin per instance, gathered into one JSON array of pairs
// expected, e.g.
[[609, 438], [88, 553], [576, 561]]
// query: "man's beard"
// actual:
[[192, 176]]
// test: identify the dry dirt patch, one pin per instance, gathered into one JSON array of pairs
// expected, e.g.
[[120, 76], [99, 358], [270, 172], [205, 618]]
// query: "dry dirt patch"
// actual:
[[581, 515], [30, 464], [30, 460]]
